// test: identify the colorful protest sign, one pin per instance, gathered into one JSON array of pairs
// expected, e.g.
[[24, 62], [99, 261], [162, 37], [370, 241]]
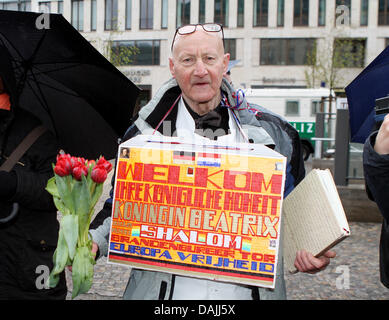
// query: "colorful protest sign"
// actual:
[[209, 211]]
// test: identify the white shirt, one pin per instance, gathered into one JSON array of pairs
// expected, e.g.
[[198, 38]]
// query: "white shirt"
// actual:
[[185, 128], [187, 288]]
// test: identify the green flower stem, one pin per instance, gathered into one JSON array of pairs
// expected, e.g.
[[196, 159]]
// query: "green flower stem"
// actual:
[[69, 182], [93, 188]]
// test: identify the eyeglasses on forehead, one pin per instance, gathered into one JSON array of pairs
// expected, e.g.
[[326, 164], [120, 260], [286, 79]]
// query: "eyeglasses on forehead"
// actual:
[[191, 28]]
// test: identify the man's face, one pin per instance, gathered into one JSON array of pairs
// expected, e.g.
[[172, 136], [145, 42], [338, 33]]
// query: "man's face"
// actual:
[[198, 63]]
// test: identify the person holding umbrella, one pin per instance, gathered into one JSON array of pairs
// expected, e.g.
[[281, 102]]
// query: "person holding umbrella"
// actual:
[[55, 79], [28, 217], [76, 93], [365, 94], [376, 171], [198, 98]]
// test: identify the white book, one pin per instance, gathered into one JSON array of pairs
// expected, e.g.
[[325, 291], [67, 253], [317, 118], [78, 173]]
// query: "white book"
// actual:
[[314, 218]]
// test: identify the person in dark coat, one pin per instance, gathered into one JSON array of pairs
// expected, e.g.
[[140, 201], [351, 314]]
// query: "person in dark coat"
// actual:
[[376, 171], [27, 241]]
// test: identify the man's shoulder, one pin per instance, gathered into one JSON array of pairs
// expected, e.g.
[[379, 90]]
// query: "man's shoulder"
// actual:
[[262, 112], [265, 116], [132, 130]]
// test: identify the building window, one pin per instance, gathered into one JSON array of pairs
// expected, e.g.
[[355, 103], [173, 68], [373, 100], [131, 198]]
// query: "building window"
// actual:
[[322, 13], [136, 53], [143, 98], [292, 108], [44, 6], [128, 14], [349, 53], [25, 5], [164, 14], [111, 14], [221, 12], [60, 7], [315, 107], [240, 20], [261, 9], [17, 5], [9, 6], [78, 14], [183, 12], [202, 11], [383, 13], [343, 11], [301, 13], [93, 15], [285, 52], [364, 12], [230, 47], [280, 13], [146, 14]]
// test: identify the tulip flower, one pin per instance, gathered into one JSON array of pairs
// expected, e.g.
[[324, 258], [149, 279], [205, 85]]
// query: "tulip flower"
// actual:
[[99, 174], [79, 170], [63, 166], [61, 170], [63, 156], [76, 187], [91, 163], [107, 165]]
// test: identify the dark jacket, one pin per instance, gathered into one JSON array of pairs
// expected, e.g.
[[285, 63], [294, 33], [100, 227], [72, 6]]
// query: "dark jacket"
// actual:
[[376, 171], [28, 241]]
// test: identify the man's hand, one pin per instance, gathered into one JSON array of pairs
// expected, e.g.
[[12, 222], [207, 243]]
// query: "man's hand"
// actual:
[[95, 247], [306, 262], [382, 141]]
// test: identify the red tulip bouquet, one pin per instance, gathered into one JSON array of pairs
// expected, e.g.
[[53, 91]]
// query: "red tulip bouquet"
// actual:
[[76, 187]]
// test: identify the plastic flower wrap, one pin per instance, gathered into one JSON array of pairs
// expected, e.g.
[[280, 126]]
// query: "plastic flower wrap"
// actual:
[[76, 187]]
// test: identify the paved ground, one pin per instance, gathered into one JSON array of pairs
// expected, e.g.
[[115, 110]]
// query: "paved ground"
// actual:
[[353, 274]]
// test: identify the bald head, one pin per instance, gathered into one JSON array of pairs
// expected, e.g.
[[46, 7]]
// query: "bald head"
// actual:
[[215, 37], [198, 63]]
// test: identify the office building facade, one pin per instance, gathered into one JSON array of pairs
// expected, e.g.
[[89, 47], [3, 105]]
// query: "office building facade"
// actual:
[[272, 39]]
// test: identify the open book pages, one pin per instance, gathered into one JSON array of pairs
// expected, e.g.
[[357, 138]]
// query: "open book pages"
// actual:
[[314, 218]]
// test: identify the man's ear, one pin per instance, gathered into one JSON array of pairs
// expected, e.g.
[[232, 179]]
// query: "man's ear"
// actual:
[[171, 66], [226, 60]]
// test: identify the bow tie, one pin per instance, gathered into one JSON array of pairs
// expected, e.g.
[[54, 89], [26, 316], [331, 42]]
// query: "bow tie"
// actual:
[[215, 120], [210, 120]]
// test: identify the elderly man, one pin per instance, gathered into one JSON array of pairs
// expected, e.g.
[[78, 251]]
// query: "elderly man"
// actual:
[[197, 101]]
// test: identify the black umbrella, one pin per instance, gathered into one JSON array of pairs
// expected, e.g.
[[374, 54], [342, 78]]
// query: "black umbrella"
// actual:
[[371, 84], [63, 80]]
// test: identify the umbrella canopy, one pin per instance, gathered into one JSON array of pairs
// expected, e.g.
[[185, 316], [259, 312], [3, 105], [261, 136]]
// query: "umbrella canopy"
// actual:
[[63, 80], [371, 84]]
